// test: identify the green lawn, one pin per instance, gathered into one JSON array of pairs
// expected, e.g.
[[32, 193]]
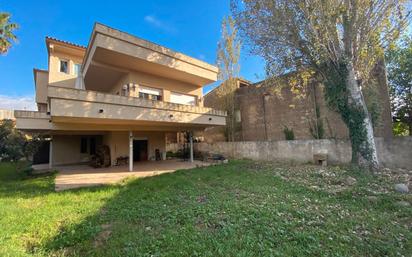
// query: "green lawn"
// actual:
[[239, 209]]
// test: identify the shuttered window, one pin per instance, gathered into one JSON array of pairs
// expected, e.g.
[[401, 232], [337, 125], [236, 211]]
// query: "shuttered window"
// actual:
[[182, 98]]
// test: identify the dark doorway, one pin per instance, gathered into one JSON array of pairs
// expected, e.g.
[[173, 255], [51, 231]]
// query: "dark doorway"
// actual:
[[139, 150], [42, 154]]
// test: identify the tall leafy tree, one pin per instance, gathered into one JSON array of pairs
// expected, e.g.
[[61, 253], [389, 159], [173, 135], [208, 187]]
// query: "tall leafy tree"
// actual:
[[399, 63], [7, 36], [228, 55], [341, 40]]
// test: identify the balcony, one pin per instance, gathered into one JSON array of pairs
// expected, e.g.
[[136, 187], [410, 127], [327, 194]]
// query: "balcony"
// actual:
[[69, 105], [34, 121]]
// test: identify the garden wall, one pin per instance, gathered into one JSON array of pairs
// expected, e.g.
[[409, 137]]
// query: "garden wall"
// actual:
[[396, 153]]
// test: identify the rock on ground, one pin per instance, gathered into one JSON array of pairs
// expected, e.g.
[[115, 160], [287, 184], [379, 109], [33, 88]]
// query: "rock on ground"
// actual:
[[402, 188]]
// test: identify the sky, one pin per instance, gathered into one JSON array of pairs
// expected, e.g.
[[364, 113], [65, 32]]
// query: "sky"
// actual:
[[191, 27]]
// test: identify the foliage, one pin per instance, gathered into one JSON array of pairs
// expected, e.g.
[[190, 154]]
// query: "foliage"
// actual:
[[11, 142], [240, 209], [7, 35], [314, 34], [400, 129], [14, 145], [228, 56], [289, 134], [336, 95], [399, 65]]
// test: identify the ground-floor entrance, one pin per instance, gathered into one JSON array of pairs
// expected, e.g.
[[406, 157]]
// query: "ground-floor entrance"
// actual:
[[120, 148], [140, 150]]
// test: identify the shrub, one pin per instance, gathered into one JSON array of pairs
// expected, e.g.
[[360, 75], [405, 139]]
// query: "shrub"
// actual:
[[289, 134]]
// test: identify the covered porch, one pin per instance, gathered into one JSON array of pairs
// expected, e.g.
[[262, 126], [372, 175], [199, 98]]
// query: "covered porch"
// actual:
[[77, 176]]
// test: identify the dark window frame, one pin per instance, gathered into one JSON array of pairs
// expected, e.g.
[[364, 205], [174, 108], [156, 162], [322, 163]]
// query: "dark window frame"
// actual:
[[66, 70]]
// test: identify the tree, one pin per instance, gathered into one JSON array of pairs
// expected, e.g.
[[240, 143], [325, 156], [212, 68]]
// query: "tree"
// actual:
[[6, 32], [228, 55], [11, 142], [340, 40], [399, 65]]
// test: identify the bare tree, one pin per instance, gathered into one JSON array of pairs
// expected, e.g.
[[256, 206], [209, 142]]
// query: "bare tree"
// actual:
[[341, 40], [228, 55]]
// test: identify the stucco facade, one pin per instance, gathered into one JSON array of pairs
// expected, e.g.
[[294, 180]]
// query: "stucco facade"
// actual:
[[120, 91]]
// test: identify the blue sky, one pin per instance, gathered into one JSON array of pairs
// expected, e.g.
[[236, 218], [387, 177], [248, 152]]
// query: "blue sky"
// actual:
[[190, 27]]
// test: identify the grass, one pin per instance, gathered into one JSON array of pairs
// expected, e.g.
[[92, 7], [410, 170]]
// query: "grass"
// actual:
[[239, 209]]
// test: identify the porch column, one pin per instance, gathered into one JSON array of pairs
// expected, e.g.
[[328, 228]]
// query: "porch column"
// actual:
[[51, 153], [191, 146], [130, 151]]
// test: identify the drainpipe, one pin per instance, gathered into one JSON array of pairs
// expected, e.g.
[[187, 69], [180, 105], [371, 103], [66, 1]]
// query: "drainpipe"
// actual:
[[130, 151], [191, 146], [51, 153], [264, 114]]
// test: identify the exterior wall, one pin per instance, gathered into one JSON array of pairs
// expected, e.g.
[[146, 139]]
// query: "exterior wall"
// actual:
[[265, 114], [266, 109], [165, 84], [6, 114], [60, 79], [41, 81], [395, 153], [118, 142], [66, 150]]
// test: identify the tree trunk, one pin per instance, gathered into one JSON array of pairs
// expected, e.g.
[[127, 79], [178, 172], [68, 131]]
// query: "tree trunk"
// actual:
[[365, 154]]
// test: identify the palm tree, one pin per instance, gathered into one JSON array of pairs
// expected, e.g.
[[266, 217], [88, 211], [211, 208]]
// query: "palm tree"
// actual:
[[6, 32]]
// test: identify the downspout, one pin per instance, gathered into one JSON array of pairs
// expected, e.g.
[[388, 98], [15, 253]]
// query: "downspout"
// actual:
[[264, 115], [316, 110]]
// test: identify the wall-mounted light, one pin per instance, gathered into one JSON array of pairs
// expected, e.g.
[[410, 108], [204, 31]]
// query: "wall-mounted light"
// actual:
[[210, 119], [101, 111], [171, 116]]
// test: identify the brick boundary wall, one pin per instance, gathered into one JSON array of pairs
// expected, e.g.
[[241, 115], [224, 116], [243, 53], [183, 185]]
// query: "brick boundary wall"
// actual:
[[396, 153]]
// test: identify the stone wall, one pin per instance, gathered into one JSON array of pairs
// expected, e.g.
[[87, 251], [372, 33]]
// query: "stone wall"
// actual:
[[395, 153]]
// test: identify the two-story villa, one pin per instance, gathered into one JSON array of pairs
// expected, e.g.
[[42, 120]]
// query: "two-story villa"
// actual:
[[120, 91]]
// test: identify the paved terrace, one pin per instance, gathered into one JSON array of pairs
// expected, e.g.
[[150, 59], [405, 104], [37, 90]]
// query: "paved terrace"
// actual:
[[76, 176]]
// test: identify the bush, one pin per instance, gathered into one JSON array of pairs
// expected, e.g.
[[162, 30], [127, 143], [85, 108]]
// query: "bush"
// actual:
[[289, 134]]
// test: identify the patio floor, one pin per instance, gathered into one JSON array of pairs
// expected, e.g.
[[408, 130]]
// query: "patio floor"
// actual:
[[76, 176]]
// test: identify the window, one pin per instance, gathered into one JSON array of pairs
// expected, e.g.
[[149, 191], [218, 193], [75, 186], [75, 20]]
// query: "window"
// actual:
[[157, 97], [150, 93], [92, 145], [77, 68], [179, 98], [83, 145], [64, 66], [144, 95]]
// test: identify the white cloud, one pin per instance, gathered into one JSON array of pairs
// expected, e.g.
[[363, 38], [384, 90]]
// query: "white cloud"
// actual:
[[17, 102], [201, 56], [151, 19]]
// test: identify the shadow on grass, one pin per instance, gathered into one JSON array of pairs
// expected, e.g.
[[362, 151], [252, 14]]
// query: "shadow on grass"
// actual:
[[223, 210]]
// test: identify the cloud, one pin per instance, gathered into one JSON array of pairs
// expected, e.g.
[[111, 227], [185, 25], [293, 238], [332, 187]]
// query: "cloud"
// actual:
[[201, 56], [17, 102], [151, 19]]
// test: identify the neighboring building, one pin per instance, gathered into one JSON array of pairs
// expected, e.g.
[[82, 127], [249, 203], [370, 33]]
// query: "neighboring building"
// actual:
[[6, 115], [120, 91], [263, 111]]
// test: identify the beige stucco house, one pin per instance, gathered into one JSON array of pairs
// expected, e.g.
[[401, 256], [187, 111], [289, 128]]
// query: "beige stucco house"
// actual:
[[120, 91]]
